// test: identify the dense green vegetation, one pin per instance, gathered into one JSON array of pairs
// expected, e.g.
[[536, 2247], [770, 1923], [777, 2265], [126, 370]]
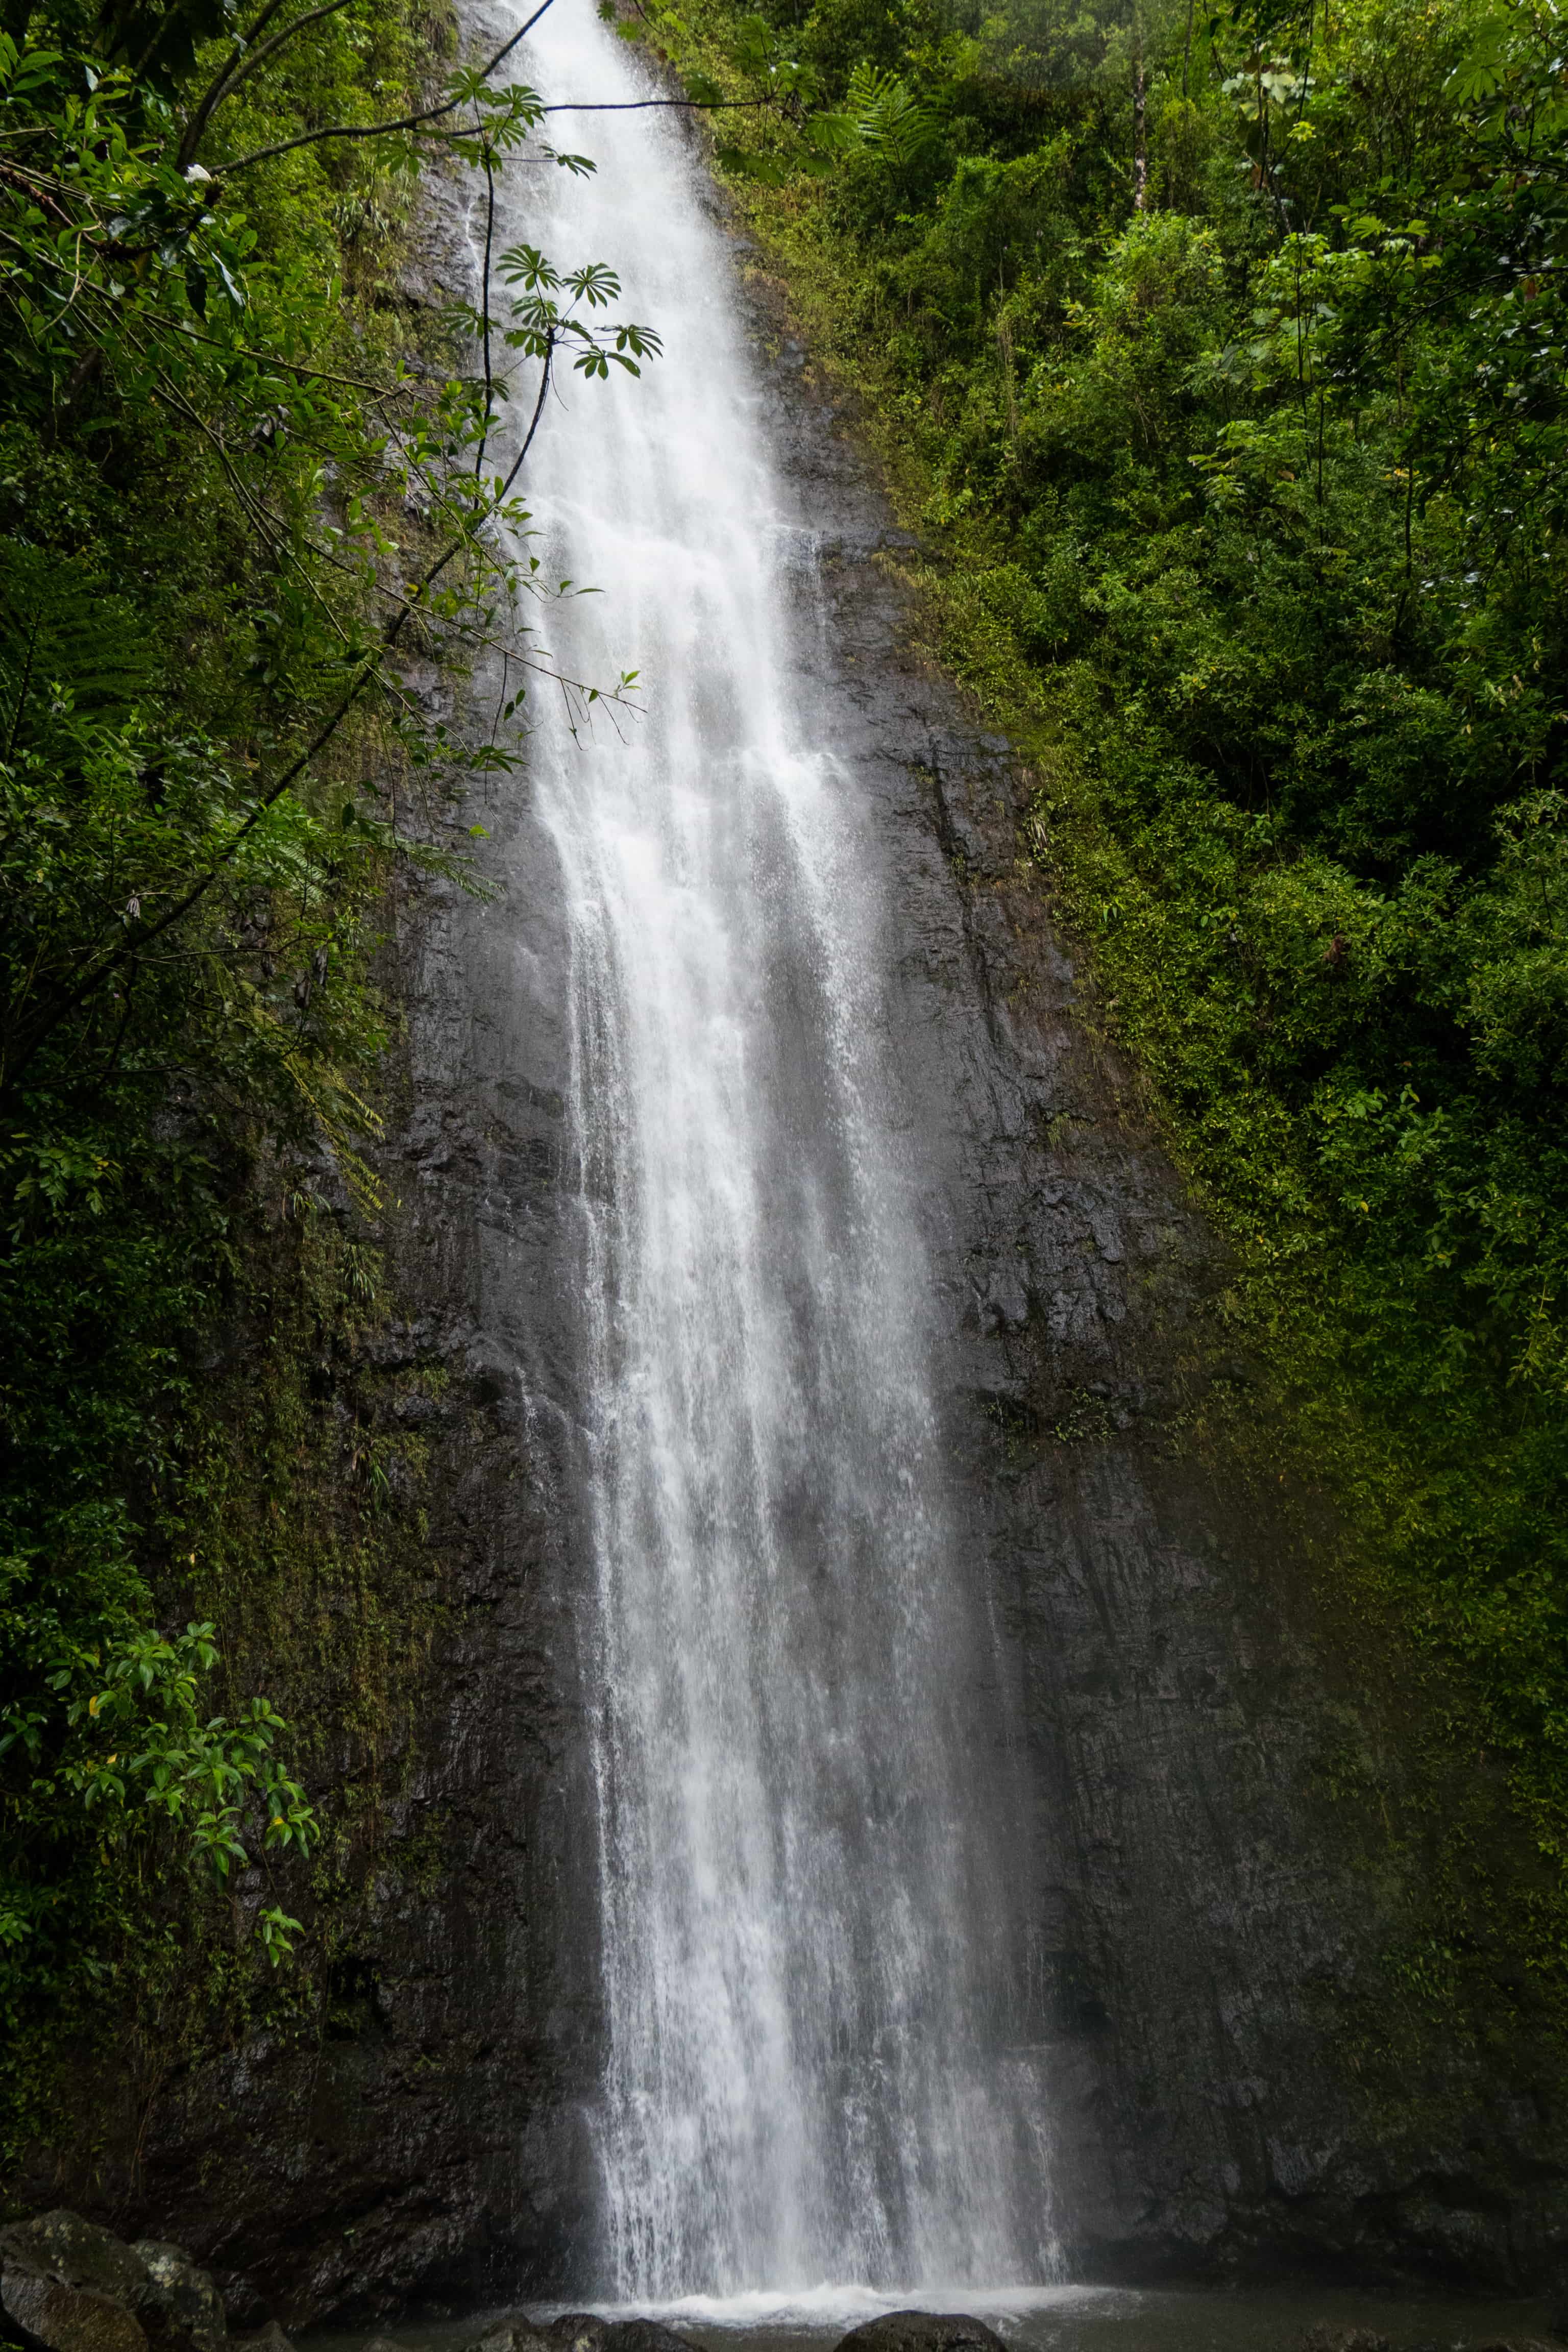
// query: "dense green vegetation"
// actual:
[[240, 482], [1221, 358]]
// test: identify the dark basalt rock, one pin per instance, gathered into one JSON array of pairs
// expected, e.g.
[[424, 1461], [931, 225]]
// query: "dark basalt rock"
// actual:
[[190, 2303], [69, 2285], [68, 2318], [922, 2331], [77, 2254], [511, 2335], [581, 2331]]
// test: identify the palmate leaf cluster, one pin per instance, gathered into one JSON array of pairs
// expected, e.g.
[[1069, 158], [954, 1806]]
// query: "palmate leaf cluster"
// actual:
[[1229, 348]]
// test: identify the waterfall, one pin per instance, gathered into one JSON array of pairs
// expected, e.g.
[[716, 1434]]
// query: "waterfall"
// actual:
[[807, 1942]]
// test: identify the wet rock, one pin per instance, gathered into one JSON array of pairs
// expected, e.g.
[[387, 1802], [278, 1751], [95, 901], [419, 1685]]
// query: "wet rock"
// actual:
[[506, 2336], [271, 2338], [191, 2304], [924, 2331], [68, 2318], [73, 2287], [1327, 2337], [78, 2253], [580, 2331], [246, 2309], [376, 2344]]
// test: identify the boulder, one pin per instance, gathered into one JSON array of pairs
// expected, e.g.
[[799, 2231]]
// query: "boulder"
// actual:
[[505, 2335], [68, 2318], [377, 2342], [191, 2306], [271, 2338], [581, 2331], [78, 2253], [922, 2331], [1326, 2337], [73, 2287]]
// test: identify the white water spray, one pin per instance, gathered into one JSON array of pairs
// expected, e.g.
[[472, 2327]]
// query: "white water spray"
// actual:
[[805, 1940]]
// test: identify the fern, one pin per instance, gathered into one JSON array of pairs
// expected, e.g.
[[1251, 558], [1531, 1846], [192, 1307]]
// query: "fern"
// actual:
[[65, 645], [887, 118]]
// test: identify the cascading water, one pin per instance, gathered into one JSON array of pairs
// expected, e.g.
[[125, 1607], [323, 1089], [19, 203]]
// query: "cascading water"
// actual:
[[807, 1946]]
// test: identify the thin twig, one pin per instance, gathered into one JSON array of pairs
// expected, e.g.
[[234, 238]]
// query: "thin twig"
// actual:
[[485, 308]]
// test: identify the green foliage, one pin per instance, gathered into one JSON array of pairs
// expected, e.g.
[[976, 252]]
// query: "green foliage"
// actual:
[[239, 489], [1224, 356], [120, 1726]]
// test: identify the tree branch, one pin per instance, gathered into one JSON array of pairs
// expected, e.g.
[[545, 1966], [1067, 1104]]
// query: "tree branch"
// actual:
[[403, 123], [641, 105], [412, 122], [132, 948], [242, 67]]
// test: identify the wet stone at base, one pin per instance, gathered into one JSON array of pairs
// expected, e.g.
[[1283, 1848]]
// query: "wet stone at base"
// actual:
[[922, 2331], [70, 2285]]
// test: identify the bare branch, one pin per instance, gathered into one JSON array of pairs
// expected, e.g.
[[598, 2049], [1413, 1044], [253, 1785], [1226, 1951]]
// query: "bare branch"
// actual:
[[476, 130], [642, 105], [240, 70], [403, 123]]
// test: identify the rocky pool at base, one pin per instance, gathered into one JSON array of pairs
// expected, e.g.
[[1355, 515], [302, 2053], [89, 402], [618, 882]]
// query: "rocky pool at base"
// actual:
[[1286, 2318]]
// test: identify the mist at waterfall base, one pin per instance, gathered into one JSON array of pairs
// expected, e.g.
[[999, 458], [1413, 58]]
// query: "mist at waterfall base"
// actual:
[[1063, 2319], [810, 1934]]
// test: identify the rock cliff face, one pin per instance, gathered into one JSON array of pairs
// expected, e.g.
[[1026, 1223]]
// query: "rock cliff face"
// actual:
[[1209, 1920], [1240, 2074]]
